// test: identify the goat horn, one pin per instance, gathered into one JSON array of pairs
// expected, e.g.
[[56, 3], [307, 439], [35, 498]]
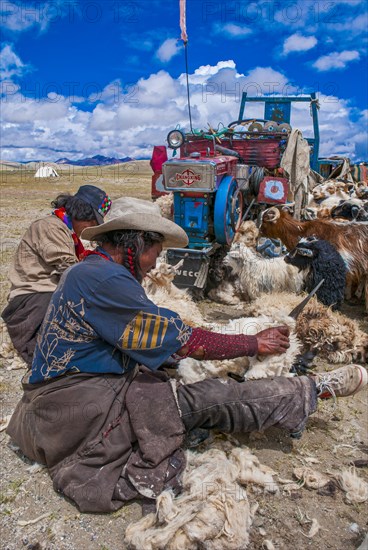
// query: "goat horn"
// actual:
[[271, 215], [178, 265], [305, 252]]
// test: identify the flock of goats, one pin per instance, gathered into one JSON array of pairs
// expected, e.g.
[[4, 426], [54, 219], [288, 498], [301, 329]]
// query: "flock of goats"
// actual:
[[333, 246]]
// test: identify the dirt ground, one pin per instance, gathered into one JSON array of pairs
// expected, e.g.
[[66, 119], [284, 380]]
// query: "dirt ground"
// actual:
[[335, 437]]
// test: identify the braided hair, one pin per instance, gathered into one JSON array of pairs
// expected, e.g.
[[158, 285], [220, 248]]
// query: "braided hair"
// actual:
[[132, 244]]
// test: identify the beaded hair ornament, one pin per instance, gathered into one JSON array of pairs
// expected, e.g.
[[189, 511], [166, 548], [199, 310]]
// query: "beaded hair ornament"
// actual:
[[104, 206]]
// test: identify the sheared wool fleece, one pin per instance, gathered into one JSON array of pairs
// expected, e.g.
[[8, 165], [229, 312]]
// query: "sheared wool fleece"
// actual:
[[12, 360], [213, 511], [252, 368], [166, 203], [356, 489]]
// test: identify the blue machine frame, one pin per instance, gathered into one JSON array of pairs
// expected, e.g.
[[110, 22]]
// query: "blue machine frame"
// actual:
[[279, 110]]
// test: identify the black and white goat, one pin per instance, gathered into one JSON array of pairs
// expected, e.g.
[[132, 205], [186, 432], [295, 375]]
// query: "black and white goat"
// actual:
[[320, 260], [352, 210]]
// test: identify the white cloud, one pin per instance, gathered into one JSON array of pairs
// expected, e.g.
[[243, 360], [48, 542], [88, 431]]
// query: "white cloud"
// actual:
[[230, 30], [336, 60], [19, 17], [298, 43], [10, 64], [354, 25], [343, 21], [129, 124], [168, 49]]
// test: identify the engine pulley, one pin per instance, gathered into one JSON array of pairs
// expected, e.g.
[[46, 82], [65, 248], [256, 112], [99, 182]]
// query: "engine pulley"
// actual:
[[228, 210]]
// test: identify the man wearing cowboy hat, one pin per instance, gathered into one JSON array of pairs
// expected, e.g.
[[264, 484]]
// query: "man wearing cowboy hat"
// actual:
[[96, 411]]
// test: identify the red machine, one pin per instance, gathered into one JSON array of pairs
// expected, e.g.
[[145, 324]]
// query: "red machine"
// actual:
[[211, 179], [256, 148]]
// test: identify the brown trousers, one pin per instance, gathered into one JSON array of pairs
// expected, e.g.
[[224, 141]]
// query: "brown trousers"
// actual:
[[23, 317], [231, 406]]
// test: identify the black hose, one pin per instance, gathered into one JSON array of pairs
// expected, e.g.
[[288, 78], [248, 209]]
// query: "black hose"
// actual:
[[255, 179]]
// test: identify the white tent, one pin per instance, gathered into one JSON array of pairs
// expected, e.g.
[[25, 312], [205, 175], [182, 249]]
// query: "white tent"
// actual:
[[46, 172]]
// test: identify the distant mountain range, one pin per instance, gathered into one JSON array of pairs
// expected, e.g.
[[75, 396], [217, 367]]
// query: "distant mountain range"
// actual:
[[97, 160]]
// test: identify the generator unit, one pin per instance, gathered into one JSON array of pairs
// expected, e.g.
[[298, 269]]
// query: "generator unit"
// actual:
[[217, 175], [207, 205]]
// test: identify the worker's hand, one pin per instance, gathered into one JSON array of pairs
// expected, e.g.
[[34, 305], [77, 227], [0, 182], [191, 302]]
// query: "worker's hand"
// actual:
[[273, 340]]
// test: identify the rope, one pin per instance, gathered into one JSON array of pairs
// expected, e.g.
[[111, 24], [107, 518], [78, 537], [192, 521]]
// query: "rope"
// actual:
[[201, 133], [317, 103]]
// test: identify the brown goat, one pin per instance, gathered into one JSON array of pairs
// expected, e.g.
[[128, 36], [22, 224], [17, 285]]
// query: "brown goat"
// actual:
[[350, 239]]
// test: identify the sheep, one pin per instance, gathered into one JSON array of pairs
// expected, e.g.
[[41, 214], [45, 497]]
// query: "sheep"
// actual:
[[331, 335], [350, 240], [319, 260], [258, 274]]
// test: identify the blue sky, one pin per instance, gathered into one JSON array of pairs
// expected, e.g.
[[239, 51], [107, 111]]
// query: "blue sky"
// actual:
[[107, 77]]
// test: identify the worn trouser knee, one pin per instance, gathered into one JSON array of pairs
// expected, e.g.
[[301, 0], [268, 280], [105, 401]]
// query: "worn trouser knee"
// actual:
[[253, 405], [23, 317]]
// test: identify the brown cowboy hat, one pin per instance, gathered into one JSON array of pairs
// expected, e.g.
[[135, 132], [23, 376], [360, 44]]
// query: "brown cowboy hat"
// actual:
[[141, 215]]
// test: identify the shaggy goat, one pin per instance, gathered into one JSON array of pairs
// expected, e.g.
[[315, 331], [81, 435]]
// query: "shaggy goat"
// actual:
[[227, 290], [350, 239], [328, 193], [247, 234], [353, 210], [332, 335], [320, 260], [329, 201], [161, 290], [361, 191], [258, 274]]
